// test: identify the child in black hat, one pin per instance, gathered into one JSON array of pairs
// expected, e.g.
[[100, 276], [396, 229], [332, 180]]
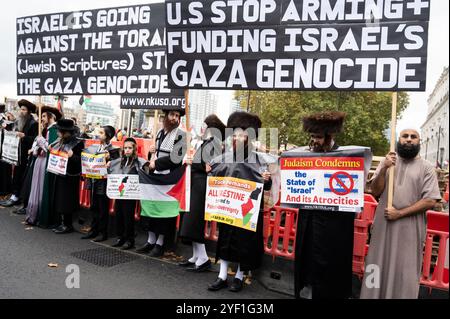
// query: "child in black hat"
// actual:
[[100, 202]]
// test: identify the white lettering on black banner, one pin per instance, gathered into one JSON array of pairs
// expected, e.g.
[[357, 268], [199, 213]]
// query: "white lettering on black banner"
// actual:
[[115, 51], [298, 44]]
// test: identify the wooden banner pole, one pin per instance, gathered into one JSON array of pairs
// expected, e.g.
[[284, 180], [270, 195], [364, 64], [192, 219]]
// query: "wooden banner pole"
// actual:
[[189, 150], [392, 149], [40, 115]]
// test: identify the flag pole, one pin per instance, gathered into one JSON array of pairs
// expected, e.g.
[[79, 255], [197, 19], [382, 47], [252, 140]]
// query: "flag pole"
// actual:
[[155, 131], [392, 149], [40, 115]]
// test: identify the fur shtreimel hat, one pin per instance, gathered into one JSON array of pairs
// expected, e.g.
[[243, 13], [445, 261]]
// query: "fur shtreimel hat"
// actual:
[[30, 106], [324, 123], [212, 121], [244, 121]]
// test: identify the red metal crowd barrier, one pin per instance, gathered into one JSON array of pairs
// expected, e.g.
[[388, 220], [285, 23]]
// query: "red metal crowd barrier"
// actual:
[[363, 222], [437, 227], [280, 231], [211, 231], [85, 195]]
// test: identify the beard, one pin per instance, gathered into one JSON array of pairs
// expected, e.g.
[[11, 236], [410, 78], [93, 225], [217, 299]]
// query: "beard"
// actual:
[[321, 148], [408, 151], [22, 121], [169, 125]]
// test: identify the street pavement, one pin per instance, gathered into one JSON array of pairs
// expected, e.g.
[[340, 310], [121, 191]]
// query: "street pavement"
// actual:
[[26, 252]]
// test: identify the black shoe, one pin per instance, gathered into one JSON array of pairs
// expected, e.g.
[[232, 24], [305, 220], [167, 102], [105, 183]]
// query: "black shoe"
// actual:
[[146, 248], [203, 267], [186, 263], [119, 243], [236, 286], [90, 235], [10, 203], [63, 230], [58, 228], [129, 245], [101, 238], [157, 251], [22, 211], [218, 284], [28, 223]]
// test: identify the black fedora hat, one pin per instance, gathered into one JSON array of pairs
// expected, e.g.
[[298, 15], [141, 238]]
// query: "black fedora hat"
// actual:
[[181, 111], [52, 110], [66, 125], [30, 106]]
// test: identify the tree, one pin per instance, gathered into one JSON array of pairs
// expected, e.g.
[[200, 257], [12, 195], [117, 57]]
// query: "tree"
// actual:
[[368, 114]]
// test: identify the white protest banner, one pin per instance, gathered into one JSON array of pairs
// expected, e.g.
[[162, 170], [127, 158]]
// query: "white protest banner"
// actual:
[[57, 162], [93, 165], [324, 181], [298, 45], [123, 187], [233, 201], [10, 148]]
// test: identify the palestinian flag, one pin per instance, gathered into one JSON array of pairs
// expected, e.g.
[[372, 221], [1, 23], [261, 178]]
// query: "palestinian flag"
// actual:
[[165, 194]]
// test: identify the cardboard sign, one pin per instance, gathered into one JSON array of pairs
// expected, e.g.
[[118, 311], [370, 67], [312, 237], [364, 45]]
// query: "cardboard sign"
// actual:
[[328, 181], [94, 165], [57, 162], [10, 148], [123, 187], [233, 201]]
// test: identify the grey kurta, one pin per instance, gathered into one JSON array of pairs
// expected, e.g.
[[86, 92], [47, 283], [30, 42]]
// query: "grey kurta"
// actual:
[[397, 246]]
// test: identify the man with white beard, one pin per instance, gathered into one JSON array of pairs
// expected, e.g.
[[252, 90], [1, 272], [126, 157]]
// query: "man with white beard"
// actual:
[[27, 129]]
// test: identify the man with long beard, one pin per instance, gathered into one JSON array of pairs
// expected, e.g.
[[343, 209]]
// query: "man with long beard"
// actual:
[[39, 151], [27, 130], [324, 248], [398, 234], [165, 157]]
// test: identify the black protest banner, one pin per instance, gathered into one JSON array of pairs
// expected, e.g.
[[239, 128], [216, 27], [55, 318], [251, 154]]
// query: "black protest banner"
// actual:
[[298, 44], [114, 51]]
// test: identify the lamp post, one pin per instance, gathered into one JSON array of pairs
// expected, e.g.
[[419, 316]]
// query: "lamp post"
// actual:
[[438, 145]]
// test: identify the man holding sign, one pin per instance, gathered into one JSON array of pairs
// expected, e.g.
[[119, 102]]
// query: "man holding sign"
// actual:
[[327, 183], [26, 129], [235, 199]]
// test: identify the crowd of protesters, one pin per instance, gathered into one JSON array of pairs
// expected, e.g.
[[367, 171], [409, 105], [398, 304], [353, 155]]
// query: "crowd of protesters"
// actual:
[[324, 240]]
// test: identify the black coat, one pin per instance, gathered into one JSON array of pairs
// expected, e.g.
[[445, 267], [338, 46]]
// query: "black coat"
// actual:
[[237, 244], [324, 253], [193, 223], [31, 131], [65, 190]]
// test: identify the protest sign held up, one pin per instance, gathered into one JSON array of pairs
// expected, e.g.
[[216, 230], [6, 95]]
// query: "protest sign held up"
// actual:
[[233, 201]]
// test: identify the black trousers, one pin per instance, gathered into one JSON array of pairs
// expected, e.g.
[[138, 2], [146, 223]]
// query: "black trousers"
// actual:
[[100, 216], [125, 219], [67, 219]]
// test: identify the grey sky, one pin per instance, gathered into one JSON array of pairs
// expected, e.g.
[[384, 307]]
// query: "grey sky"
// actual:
[[438, 54]]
